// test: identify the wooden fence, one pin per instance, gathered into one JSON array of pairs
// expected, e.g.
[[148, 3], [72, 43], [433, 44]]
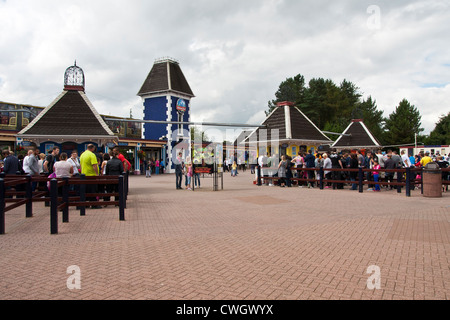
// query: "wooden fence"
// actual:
[[17, 191], [405, 178]]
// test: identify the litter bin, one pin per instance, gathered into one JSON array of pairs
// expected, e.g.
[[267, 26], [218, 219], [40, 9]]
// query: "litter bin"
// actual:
[[432, 180]]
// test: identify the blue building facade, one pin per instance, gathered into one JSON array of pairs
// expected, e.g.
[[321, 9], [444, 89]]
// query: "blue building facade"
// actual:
[[155, 109], [166, 97]]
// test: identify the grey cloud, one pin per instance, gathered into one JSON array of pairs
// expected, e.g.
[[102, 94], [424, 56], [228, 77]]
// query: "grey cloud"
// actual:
[[233, 53]]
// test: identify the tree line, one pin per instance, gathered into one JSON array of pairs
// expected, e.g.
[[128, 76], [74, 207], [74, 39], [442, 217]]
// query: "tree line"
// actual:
[[331, 107]]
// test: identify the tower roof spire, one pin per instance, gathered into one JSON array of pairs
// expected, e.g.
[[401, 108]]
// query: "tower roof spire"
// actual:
[[74, 78], [166, 76]]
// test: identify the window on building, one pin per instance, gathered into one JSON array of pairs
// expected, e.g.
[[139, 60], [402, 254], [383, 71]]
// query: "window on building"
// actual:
[[180, 126]]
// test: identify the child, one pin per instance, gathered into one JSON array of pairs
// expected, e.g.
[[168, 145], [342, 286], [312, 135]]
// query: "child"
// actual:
[[148, 169], [189, 174], [234, 169], [376, 167]]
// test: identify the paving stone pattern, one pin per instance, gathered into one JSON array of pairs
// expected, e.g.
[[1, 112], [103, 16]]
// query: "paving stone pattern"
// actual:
[[245, 243]]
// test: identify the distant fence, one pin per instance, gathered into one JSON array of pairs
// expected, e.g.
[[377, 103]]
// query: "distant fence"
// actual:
[[17, 190], [405, 177]]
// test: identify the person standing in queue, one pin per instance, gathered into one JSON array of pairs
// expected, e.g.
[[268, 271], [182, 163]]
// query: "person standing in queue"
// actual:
[[179, 171], [75, 162], [310, 161], [114, 167], [336, 163], [50, 160], [121, 157], [90, 168]]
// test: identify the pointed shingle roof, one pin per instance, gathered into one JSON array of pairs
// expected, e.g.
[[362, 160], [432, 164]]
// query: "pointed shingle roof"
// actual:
[[70, 114], [165, 76], [292, 124], [356, 135], [241, 138]]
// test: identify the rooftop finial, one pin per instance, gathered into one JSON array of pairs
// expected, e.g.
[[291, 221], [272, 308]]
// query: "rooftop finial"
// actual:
[[74, 77], [166, 59]]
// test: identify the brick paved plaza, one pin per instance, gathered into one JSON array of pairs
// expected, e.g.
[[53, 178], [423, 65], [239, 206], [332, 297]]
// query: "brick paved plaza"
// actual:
[[245, 242]]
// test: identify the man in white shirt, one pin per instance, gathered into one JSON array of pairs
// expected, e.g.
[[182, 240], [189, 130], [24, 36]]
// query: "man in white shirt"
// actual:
[[273, 168], [30, 163], [75, 162], [405, 160], [381, 158], [262, 161], [25, 166], [31, 166]]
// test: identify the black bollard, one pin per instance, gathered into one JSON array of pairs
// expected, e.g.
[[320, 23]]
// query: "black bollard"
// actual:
[[258, 170], [82, 195], [126, 184], [54, 206], [29, 197], [125, 188], [360, 179], [321, 175], [2, 206], [65, 199], [121, 199], [408, 182]]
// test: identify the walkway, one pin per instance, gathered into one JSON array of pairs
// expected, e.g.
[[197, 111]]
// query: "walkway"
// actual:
[[245, 242]]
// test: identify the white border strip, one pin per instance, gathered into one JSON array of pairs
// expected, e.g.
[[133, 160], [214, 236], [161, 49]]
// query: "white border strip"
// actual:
[[97, 115]]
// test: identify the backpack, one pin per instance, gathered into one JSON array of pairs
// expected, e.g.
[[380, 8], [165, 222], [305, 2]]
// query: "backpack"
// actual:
[[128, 165], [51, 176]]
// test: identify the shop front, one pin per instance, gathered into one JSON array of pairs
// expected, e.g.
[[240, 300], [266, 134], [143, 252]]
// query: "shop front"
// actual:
[[65, 144], [291, 149], [140, 152]]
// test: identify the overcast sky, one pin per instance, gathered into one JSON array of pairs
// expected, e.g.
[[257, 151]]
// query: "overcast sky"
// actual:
[[234, 53]]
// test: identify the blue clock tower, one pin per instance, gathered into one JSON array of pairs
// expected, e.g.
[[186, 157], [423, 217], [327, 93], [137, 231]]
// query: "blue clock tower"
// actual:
[[166, 96]]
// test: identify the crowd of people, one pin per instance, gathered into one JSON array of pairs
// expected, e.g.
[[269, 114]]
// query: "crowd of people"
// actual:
[[286, 171], [152, 166], [186, 168], [60, 165]]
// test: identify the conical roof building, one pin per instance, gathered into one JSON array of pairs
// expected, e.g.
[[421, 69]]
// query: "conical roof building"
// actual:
[[356, 136], [288, 126], [71, 117]]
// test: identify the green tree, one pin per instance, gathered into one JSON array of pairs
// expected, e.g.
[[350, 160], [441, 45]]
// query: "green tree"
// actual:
[[196, 133], [319, 101], [441, 133], [373, 118], [322, 101], [349, 98], [402, 124], [337, 126], [292, 89]]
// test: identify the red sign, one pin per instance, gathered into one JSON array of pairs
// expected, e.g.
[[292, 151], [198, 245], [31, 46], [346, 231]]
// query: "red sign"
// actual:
[[181, 105]]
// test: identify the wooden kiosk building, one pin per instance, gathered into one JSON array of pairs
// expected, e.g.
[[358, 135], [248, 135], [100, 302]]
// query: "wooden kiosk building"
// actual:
[[288, 132], [356, 136], [70, 122]]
